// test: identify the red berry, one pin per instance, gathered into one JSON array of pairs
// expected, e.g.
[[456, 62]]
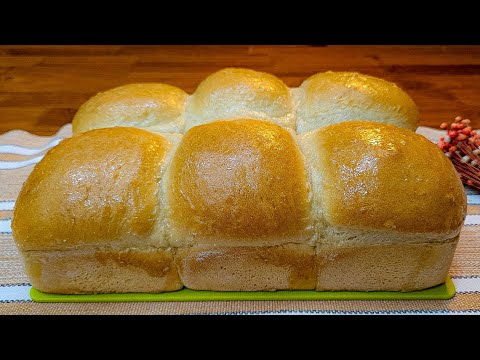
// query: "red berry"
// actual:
[[467, 130]]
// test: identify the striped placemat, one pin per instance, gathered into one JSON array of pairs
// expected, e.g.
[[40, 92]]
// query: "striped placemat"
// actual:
[[20, 151]]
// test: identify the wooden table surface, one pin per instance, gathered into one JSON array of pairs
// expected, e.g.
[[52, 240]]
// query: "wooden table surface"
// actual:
[[41, 87]]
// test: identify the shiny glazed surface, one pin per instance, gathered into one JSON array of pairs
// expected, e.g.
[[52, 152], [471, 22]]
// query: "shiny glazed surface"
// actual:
[[137, 105], [235, 92], [96, 187], [379, 176], [331, 97], [240, 179]]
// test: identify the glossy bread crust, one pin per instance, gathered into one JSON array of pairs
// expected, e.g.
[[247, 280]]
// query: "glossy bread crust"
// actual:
[[98, 188], [225, 186], [378, 176], [153, 106], [234, 93], [242, 203], [332, 97]]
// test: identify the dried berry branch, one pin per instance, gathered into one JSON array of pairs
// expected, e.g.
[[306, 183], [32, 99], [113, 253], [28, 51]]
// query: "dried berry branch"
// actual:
[[462, 146]]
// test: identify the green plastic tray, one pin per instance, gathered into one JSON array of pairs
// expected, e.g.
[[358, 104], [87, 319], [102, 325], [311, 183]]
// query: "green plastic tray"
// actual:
[[441, 292]]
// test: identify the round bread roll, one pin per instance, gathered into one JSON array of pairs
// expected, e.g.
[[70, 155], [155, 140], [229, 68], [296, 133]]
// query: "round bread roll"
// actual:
[[381, 177], [225, 186], [87, 218], [332, 97], [88, 181], [390, 203], [241, 93], [152, 106]]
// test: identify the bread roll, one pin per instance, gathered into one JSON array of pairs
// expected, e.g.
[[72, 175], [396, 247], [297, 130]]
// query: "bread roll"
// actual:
[[225, 187], [332, 97], [390, 206], [383, 178], [86, 219], [152, 106], [241, 93], [246, 218]]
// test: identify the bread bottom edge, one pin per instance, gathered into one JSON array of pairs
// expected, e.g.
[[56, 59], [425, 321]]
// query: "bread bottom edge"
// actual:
[[91, 271], [268, 268], [387, 267], [392, 267]]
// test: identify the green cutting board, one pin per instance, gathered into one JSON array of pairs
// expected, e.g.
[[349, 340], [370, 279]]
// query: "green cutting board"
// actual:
[[441, 292]]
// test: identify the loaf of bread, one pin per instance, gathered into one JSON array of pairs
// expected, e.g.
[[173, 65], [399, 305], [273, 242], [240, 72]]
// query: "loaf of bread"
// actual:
[[259, 193]]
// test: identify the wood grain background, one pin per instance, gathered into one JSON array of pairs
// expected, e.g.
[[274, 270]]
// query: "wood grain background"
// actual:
[[41, 87]]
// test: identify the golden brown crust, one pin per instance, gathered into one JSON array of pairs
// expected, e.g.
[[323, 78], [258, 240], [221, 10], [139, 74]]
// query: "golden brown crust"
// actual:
[[225, 186], [267, 268], [100, 187], [102, 271], [332, 97], [378, 176], [154, 106], [379, 209], [391, 267], [241, 93]]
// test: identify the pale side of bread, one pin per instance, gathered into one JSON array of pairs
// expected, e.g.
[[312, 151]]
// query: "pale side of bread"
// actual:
[[241, 93], [102, 270], [153, 106], [253, 268], [98, 188], [332, 97], [224, 187], [384, 267]]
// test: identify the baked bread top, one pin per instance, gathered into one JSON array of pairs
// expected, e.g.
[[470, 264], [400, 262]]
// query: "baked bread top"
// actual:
[[242, 181], [376, 176], [97, 188], [236, 93], [332, 97], [241, 93], [153, 106], [238, 182]]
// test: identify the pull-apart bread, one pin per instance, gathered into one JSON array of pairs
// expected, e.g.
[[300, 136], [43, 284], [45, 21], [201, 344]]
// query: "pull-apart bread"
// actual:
[[245, 185]]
